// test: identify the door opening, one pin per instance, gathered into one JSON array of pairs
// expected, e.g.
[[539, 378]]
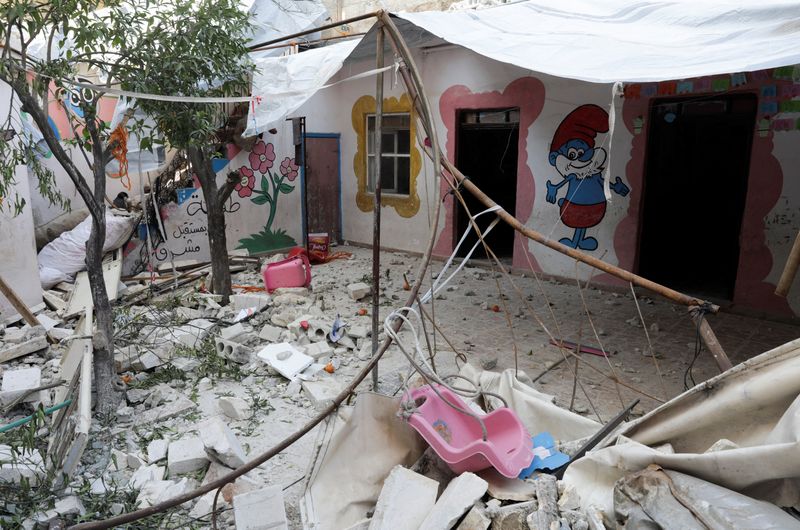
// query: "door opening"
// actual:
[[487, 152], [323, 191], [695, 185]]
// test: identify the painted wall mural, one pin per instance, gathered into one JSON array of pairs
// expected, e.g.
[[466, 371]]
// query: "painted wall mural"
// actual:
[[580, 164], [272, 184], [264, 212]]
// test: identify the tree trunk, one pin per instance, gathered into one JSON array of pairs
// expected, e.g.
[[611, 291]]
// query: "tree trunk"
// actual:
[[103, 341], [217, 242]]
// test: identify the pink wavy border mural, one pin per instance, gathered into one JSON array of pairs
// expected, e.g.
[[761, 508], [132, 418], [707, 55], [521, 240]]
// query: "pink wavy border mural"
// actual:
[[527, 93], [765, 183]]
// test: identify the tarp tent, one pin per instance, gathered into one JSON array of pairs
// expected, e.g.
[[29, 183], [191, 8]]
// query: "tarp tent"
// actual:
[[602, 42]]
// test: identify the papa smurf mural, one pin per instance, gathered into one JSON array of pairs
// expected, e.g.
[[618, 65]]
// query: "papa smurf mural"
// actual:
[[580, 163]]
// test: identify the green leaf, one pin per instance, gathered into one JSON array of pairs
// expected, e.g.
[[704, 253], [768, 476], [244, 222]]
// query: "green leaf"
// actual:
[[260, 199], [286, 188], [264, 184]]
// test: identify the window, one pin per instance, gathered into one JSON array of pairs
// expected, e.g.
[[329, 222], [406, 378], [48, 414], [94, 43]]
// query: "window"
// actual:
[[395, 156]]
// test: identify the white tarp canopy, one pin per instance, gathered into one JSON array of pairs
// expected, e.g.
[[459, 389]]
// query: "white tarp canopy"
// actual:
[[624, 40], [603, 42], [283, 84]]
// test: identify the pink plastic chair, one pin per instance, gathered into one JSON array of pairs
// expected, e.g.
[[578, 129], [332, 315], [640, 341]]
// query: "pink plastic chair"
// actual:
[[458, 438], [291, 272]]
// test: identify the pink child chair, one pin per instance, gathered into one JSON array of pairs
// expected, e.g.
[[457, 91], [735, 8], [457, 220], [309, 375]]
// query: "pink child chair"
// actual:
[[458, 438], [290, 272]]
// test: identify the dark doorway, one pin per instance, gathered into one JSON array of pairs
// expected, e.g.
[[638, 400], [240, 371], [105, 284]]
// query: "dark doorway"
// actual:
[[323, 193], [695, 185], [486, 152]]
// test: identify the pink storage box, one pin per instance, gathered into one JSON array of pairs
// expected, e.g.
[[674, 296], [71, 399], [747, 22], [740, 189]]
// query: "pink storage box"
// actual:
[[458, 438], [291, 272]]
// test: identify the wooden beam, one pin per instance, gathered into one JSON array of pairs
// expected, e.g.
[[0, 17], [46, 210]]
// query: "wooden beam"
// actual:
[[710, 339], [790, 269]]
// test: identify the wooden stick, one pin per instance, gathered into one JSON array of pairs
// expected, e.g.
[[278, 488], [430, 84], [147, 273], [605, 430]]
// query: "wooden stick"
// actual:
[[710, 339], [790, 269]]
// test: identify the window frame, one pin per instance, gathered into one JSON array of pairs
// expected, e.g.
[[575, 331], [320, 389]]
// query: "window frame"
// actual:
[[369, 119]]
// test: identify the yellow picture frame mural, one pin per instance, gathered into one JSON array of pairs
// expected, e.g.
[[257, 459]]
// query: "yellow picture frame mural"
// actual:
[[404, 205]]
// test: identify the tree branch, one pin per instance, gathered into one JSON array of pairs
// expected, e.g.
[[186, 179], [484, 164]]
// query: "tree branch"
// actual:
[[230, 184]]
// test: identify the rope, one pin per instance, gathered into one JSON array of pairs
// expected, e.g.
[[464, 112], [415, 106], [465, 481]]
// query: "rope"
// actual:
[[119, 140]]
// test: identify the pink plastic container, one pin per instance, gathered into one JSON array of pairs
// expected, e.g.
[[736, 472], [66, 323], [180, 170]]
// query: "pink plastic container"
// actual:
[[458, 438], [291, 272]]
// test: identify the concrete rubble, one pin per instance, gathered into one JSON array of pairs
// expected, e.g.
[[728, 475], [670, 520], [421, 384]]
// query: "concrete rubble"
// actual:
[[204, 392]]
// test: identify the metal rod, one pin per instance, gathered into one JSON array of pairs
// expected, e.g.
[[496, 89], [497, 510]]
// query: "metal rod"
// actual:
[[260, 46], [26, 419], [376, 213]]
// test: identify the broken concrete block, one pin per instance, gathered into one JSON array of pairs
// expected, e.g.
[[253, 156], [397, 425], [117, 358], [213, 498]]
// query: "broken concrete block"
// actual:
[[145, 474], [298, 325], [233, 351], [546, 513], [186, 455], [235, 408], [157, 450], [16, 464], [192, 333], [270, 333], [318, 329], [247, 300], [358, 290], [185, 364], [134, 461], [119, 459], [231, 332], [322, 392], [318, 349], [163, 490], [221, 444], [459, 496], [47, 322], [405, 501], [17, 382], [513, 516], [507, 489], [181, 405], [359, 332], [570, 499], [60, 334], [476, 519], [260, 510], [285, 316], [24, 348], [146, 360], [70, 505]]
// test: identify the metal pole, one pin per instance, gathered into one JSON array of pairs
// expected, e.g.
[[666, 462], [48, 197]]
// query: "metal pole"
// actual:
[[262, 45], [376, 213]]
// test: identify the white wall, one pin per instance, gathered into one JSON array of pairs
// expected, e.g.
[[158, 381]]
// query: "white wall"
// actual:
[[18, 264]]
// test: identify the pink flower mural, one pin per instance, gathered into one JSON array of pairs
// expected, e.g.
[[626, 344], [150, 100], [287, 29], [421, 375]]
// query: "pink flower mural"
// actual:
[[289, 169], [247, 182], [271, 186], [262, 156]]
